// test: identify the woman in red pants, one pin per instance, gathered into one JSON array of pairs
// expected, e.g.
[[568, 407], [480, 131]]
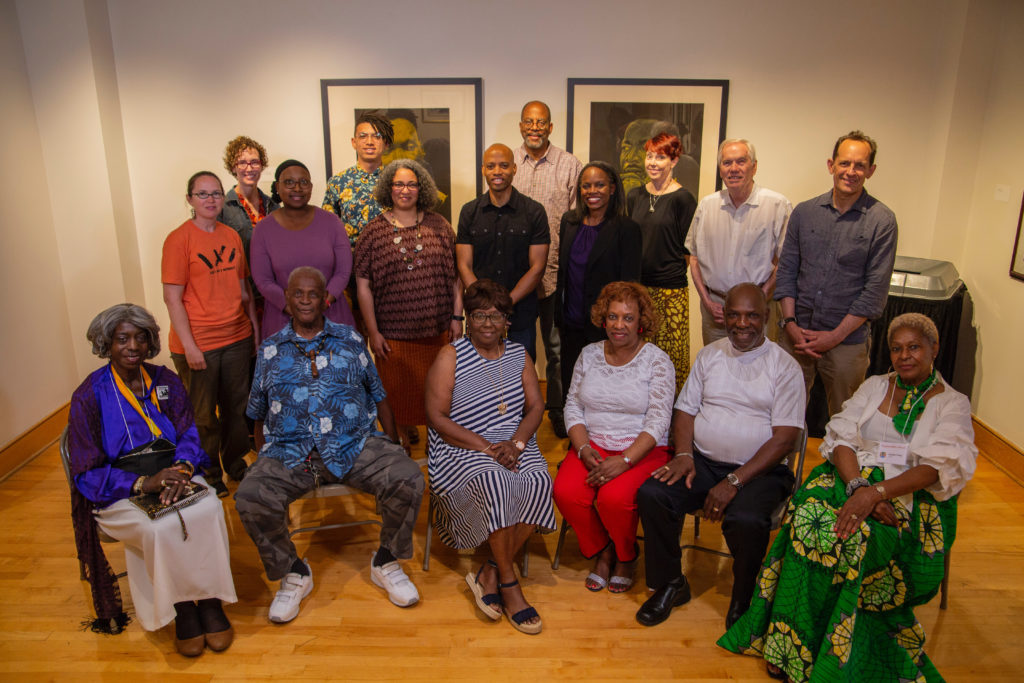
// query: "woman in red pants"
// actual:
[[617, 414]]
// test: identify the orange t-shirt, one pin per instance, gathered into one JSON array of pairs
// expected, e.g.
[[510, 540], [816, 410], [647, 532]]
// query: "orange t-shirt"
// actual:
[[211, 266]]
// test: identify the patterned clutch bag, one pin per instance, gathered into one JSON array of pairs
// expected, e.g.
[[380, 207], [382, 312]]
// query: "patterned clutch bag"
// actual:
[[151, 505]]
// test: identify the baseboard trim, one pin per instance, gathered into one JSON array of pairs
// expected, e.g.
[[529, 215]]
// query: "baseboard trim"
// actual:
[[26, 447], [1001, 451]]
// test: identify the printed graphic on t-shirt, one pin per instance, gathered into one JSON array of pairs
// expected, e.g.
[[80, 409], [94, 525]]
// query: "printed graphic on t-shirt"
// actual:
[[218, 256]]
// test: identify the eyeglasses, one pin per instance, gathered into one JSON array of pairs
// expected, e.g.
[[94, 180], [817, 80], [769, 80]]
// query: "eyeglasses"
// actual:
[[405, 186], [216, 194], [364, 135], [253, 163], [531, 123], [291, 184], [479, 317]]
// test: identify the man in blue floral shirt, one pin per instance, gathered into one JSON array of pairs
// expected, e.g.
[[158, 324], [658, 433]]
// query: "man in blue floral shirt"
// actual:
[[350, 194], [316, 399]]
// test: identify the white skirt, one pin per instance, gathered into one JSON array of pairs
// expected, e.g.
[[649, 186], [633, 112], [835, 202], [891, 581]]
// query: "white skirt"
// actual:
[[164, 569]]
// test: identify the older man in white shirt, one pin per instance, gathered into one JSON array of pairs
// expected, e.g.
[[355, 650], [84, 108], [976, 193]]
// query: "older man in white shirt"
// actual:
[[736, 236], [735, 421]]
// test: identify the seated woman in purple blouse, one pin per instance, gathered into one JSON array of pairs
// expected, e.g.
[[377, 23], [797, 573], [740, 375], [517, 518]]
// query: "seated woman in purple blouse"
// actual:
[[119, 413], [294, 235]]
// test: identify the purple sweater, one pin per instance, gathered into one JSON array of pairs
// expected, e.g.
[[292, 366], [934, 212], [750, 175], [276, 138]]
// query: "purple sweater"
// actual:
[[277, 251]]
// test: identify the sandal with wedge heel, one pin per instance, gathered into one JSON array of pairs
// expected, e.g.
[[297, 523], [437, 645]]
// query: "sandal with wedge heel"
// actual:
[[518, 620], [488, 603]]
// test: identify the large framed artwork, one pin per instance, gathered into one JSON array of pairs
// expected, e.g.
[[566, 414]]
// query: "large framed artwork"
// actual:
[[1017, 260], [611, 118], [438, 122]]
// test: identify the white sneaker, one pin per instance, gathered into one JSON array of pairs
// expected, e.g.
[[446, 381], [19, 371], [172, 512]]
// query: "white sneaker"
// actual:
[[391, 578], [294, 589]]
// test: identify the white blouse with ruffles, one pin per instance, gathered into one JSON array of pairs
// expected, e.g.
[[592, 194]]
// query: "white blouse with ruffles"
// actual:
[[943, 436]]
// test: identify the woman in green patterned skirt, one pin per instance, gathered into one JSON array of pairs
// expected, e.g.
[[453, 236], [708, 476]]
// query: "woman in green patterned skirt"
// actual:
[[866, 536]]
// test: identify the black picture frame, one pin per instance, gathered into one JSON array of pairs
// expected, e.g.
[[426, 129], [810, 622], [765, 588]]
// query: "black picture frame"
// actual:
[[606, 114], [452, 108]]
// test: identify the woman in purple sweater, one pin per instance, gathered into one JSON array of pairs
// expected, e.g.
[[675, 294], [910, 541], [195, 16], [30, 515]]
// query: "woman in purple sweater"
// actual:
[[294, 235]]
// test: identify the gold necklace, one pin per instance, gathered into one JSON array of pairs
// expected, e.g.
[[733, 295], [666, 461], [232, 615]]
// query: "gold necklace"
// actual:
[[499, 386]]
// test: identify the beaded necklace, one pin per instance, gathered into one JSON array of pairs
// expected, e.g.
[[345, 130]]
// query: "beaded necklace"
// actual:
[[912, 405], [410, 254], [312, 354]]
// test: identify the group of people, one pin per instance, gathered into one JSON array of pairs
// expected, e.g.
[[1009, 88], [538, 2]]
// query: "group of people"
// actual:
[[372, 316]]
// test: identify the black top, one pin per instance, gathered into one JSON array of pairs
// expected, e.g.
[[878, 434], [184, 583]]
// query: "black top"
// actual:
[[614, 256], [664, 234], [501, 237]]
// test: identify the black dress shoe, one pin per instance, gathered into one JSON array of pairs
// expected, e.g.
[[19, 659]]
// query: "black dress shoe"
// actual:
[[659, 606], [736, 610]]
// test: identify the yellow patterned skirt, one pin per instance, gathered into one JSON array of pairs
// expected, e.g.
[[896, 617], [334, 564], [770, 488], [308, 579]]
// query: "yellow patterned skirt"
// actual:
[[673, 306]]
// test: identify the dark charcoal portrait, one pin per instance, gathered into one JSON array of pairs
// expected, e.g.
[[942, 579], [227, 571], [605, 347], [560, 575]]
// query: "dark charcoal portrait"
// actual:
[[618, 131], [423, 135]]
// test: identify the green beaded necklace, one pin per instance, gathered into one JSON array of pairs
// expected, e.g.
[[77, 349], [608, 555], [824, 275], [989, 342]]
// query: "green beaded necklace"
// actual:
[[912, 404]]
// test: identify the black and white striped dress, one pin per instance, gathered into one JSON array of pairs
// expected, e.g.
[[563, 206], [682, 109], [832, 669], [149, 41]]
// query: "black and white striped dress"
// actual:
[[473, 495]]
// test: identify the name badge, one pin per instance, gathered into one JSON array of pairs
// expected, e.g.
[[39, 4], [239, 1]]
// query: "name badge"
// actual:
[[893, 453], [162, 392]]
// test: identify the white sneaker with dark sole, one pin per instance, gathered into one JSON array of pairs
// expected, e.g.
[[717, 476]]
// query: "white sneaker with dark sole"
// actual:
[[294, 589], [393, 579]]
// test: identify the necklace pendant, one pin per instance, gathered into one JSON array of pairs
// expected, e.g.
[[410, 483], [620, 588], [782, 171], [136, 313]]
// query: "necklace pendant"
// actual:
[[502, 408], [651, 210], [397, 240]]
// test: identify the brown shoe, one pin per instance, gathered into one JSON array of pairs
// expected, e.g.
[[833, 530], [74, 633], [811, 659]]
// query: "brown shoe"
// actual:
[[189, 638], [219, 632]]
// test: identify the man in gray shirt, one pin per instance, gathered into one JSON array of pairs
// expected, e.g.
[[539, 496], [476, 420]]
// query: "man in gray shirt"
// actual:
[[834, 272]]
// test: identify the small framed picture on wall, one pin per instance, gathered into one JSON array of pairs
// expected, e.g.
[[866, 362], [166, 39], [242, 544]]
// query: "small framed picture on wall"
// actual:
[[1017, 262]]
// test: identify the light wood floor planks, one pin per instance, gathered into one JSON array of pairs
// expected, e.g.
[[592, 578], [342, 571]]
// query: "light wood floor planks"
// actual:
[[348, 630]]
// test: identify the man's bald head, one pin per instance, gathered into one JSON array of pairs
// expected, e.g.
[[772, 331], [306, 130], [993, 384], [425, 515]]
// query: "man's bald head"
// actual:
[[746, 311]]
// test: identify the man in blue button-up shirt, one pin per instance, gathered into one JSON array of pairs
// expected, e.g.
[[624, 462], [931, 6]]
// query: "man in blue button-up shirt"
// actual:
[[316, 399], [834, 272]]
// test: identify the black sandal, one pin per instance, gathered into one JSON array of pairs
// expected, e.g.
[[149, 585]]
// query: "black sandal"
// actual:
[[488, 603], [517, 620]]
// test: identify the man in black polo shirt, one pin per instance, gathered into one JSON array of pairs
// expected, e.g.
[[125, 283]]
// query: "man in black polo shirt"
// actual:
[[503, 235]]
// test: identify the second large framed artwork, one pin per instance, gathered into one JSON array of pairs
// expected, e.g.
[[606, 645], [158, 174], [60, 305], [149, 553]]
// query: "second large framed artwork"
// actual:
[[611, 119], [438, 122]]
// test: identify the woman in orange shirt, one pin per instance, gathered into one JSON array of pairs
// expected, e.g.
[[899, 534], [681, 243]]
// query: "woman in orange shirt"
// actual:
[[213, 322]]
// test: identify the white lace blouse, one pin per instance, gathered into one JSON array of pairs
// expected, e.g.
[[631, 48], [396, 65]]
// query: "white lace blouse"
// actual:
[[616, 403]]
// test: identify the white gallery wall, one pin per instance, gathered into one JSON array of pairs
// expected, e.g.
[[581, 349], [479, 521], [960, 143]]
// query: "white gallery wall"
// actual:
[[116, 102]]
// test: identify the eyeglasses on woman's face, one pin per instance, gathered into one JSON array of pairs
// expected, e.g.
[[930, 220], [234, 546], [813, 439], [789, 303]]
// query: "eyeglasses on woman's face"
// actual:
[[496, 318], [216, 194], [292, 183], [251, 163]]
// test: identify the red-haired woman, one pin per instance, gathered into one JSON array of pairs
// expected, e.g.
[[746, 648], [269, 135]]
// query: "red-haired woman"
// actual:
[[664, 209]]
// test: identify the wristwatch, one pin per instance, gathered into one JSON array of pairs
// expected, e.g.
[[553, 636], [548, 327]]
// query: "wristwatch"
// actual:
[[786, 321], [734, 480], [520, 445], [854, 484]]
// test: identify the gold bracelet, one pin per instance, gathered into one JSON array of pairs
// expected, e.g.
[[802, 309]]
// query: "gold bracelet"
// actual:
[[137, 486]]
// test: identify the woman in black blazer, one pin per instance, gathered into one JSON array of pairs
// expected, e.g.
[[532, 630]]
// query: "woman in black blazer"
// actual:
[[598, 244]]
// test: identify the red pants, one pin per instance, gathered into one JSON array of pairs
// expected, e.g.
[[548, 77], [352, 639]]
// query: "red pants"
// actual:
[[608, 512]]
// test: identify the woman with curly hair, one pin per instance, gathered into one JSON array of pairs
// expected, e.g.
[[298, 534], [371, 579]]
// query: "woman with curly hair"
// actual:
[[617, 414], [867, 535], [245, 204], [409, 291]]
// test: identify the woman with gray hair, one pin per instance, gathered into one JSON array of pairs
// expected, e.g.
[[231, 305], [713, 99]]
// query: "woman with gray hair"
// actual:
[[131, 432], [867, 535], [408, 288]]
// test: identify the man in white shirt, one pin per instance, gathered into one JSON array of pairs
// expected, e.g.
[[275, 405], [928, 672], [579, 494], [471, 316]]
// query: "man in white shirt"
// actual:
[[735, 420], [736, 236]]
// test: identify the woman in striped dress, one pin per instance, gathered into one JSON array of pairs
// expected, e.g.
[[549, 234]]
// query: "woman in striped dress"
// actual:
[[488, 480]]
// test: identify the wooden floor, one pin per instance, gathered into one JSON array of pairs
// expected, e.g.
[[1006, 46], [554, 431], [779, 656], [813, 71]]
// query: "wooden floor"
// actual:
[[348, 630]]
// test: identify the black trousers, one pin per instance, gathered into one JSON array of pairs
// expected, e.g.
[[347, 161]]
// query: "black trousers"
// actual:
[[746, 525]]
